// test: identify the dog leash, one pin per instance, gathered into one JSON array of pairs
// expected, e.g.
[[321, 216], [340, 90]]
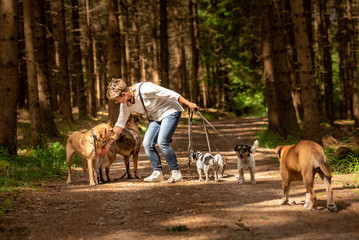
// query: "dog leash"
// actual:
[[220, 134], [97, 167]]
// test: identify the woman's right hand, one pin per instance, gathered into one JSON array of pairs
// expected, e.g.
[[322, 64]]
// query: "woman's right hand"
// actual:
[[106, 148]]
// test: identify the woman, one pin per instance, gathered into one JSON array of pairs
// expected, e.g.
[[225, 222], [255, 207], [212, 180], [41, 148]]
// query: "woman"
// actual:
[[164, 110]]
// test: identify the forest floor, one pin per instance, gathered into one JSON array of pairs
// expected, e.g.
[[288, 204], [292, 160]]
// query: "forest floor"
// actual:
[[134, 209]]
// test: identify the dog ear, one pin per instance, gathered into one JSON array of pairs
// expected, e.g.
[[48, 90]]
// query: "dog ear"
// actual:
[[236, 148]]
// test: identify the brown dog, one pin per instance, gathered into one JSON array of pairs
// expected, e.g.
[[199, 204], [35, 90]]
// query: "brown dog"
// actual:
[[83, 145], [301, 162], [128, 144]]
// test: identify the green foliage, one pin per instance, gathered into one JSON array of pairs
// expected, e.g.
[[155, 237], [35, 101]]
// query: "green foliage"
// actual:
[[32, 165], [5, 206], [270, 140], [347, 164]]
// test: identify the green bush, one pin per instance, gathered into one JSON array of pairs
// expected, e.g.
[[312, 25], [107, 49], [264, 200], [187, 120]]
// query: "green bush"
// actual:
[[27, 168]]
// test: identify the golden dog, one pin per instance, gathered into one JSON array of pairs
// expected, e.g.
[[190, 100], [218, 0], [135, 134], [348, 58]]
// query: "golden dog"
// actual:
[[83, 145], [301, 162]]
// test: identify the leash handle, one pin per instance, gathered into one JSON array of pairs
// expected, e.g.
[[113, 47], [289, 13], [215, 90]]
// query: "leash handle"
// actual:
[[97, 167]]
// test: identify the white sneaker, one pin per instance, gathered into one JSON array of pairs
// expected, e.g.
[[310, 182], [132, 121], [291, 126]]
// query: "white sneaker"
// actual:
[[156, 176], [176, 176]]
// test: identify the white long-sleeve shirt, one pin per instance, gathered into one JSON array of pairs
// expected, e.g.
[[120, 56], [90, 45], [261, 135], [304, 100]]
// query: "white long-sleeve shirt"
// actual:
[[159, 101]]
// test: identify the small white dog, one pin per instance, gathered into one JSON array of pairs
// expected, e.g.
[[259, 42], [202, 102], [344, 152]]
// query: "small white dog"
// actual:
[[246, 160], [205, 162], [221, 163]]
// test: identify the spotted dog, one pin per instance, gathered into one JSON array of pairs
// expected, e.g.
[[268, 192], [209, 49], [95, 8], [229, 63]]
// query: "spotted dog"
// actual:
[[205, 162], [221, 163], [246, 160]]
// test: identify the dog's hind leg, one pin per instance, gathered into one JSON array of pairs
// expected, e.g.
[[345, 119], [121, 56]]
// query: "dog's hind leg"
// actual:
[[253, 171], [135, 162], [286, 188], [127, 164], [311, 199], [328, 187], [111, 158]]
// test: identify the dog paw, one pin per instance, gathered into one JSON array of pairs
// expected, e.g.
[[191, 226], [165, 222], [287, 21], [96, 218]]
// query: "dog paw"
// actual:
[[240, 181], [92, 183], [332, 208], [253, 182], [68, 181], [283, 201]]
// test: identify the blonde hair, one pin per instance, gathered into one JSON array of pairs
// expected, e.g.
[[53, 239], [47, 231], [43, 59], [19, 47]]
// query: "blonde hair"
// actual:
[[115, 88]]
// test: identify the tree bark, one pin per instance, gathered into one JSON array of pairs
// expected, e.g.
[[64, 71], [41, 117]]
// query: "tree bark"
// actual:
[[90, 65], [42, 69], [8, 76], [192, 6], [311, 115], [274, 123], [155, 68], [77, 61], [65, 99], [353, 69], [34, 106], [164, 44], [114, 52]]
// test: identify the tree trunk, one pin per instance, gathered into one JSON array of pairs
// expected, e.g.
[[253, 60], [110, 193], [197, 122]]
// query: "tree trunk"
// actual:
[[114, 52], [34, 106], [155, 68], [327, 62], [65, 99], [164, 44], [136, 69], [77, 61], [353, 69], [90, 71], [48, 126], [287, 117], [123, 44], [192, 8], [8, 76], [53, 68], [311, 115], [342, 40], [274, 123]]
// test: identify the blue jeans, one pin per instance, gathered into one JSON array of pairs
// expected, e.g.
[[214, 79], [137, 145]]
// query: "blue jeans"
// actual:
[[161, 133]]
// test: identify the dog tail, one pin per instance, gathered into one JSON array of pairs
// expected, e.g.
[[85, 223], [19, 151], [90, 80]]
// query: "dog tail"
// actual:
[[325, 167], [255, 145]]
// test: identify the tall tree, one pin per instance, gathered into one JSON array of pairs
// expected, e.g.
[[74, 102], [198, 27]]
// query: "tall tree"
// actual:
[[155, 65], [8, 76], [342, 46], [192, 8], [164, 44], [311, 115], [34, 106], [77, 60], [353, 68], [274, 123], [42, 68], [114, 52], [65, 99], [90, 65]]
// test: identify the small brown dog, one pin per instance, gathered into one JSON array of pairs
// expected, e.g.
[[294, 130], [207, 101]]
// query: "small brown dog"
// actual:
[[128, 144], [301, 162], [83, 145]]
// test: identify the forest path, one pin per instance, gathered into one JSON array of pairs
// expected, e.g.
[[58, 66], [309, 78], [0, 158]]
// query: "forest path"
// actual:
[[133, 209]]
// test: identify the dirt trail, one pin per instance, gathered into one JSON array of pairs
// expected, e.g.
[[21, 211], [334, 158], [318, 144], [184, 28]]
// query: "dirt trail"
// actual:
[[133, 209]]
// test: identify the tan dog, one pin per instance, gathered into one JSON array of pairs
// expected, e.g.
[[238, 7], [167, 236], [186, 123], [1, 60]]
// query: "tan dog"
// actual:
[[83, 145], [301, 162], [128, 144]]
